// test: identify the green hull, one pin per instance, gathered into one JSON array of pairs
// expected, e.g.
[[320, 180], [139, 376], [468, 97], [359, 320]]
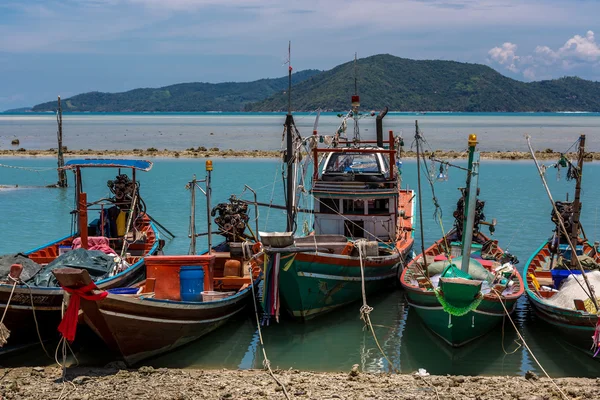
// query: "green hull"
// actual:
[[314, 284], [457, 331]]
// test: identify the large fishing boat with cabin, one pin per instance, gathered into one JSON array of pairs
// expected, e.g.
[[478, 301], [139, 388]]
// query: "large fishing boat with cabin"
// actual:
[[563, 274], [183, 298], [463, 285], [111, 247], [355, 237]]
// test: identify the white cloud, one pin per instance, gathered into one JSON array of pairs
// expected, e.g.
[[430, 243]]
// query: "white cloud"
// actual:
[[577, 52], [505, 55]]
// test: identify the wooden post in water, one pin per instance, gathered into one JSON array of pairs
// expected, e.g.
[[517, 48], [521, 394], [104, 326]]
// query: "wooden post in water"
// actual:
[[62, 175]]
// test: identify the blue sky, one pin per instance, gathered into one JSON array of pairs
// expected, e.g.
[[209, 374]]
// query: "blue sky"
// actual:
[[67, 47]]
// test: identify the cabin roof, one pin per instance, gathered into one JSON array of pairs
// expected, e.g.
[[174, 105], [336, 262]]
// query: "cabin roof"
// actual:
[[142, 165]]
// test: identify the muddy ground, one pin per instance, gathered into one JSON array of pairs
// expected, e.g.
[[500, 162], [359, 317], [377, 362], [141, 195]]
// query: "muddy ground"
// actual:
[[145, 383]]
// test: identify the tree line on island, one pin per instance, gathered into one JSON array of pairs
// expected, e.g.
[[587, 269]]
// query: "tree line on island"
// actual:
[[383, 80]]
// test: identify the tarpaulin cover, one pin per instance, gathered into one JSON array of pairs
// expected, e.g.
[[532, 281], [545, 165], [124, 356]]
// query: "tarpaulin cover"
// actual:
[[95, 262], [30, 268]]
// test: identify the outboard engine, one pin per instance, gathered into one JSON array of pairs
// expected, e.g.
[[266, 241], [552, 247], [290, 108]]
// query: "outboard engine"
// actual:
[[123, 189], [232, 219]]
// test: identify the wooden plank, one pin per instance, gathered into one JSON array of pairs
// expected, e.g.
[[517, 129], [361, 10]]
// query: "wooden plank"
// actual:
[[72, 277]]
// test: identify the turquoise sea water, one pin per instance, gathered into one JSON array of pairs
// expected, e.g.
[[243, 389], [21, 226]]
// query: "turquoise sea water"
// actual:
[[32, 215]]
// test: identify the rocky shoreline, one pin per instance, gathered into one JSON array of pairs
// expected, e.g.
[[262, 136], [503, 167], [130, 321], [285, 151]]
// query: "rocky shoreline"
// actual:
[[145, 383], [216, 153]]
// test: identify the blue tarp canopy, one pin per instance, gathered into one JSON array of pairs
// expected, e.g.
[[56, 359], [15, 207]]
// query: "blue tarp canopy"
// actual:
[[142, 165]]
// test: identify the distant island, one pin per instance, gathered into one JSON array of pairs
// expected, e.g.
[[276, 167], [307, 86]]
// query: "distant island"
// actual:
[[19, 110], [383, 80]]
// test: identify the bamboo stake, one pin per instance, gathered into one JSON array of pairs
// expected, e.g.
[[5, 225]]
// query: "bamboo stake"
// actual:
[[62, 175]]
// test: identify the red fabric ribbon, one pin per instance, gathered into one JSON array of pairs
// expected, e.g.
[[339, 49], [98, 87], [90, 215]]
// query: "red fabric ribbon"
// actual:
[[68, 325]]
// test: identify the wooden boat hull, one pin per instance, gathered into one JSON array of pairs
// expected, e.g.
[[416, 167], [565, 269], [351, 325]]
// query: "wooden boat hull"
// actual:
[[139, 328], [27, 322], [316, 283], [457, 330], [576, 326]]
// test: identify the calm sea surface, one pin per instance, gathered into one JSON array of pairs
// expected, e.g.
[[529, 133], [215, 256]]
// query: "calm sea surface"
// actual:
[[31, 215], [262, 131]]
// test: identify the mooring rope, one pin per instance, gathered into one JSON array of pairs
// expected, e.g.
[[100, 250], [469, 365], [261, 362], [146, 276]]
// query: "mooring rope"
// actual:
[[30, 169], [37, 327], [266, 362], [3, 329], [365, 309], [527, 346]]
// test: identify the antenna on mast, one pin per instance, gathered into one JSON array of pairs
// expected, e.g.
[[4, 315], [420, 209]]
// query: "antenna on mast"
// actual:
[[355, 77], [355, 103], [290, 77]]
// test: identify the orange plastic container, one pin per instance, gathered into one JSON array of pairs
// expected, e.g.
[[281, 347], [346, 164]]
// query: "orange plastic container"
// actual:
[[165, 270]]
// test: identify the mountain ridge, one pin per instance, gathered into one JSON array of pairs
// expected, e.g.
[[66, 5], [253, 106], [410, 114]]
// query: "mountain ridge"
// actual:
[[192, 96], [383, 80]]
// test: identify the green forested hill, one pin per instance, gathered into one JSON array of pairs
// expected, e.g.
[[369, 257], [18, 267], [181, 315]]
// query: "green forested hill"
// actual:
[[197, 96], [411, 85], [383, 80]]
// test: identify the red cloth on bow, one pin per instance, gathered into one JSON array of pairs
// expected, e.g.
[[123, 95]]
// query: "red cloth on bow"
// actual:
[[68, 325]]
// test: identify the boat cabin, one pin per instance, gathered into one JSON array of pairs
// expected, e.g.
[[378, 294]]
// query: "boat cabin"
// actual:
[[356, 192]]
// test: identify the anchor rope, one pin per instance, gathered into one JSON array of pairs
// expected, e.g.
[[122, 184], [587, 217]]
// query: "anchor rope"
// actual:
[[365, 309], [266, 362], [30, 169], [527, 346], [37, 327], [3, 329]]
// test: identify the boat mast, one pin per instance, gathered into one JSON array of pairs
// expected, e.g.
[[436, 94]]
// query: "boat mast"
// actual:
[[470, 202], [577, 201], [418, 140], [289, 156]]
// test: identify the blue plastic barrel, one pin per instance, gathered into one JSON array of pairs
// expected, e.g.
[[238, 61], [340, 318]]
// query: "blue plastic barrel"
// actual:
[[191, 282]]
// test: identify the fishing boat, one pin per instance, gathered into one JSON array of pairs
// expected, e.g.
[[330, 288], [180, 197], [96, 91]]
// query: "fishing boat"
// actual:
[[464, 284], [562, 274], [112, 246], [183, 298], [355, 237]]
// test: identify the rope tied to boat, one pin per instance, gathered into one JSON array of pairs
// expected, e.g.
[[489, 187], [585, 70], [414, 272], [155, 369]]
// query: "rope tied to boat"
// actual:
[[68, 325], [266, 363], [4, 332], [507, 313], [366, 310]]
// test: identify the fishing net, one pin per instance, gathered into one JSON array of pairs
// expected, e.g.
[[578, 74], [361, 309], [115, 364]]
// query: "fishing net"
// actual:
[[572, 290], [457, 311]]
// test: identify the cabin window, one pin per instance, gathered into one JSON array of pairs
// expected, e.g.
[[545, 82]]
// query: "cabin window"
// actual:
[[354, 229], [354, 206], [330, 206], [378, 206], [351, 162]]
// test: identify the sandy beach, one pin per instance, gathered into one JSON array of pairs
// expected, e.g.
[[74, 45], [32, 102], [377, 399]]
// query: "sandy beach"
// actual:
[[207, 153], [145, 383]]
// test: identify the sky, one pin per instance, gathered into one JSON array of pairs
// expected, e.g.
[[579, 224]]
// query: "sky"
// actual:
[[66, 47]]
